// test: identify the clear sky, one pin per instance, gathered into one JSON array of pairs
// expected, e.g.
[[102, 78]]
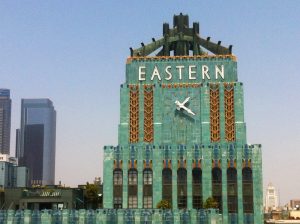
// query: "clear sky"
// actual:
[[74, 53]]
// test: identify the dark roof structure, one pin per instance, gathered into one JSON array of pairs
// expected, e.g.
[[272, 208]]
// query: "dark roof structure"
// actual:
[[180, 40]]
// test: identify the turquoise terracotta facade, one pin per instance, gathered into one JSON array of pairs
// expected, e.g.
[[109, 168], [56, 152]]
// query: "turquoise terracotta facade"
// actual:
[[108, 216], [155, 134]]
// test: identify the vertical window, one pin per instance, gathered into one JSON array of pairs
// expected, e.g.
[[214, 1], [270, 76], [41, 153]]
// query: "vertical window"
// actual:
[[118, 188], [197, 188], [167, 184], [217, 186], [132, 188], [182, 188], [132, 201], [147, 177], [247, 190], [118, 177], [147, 188], [232, 190]]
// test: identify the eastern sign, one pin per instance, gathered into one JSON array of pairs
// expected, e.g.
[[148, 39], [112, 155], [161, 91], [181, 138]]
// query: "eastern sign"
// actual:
[[192, 71], [176, 71]]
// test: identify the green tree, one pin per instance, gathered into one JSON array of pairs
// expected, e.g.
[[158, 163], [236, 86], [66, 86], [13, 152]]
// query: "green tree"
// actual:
[[164, 204], [210, 203], [91, 196]]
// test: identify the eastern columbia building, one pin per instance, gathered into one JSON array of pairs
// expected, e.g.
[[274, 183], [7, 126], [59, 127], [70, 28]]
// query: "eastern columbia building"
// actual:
[[182, 133]]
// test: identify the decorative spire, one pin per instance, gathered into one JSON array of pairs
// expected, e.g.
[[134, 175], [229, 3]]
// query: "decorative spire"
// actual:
[[181, 40]]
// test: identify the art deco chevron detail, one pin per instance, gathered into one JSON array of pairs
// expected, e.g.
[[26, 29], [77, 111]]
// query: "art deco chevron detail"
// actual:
[[229, 112], [148, 113], [214, 113], [134, 114]]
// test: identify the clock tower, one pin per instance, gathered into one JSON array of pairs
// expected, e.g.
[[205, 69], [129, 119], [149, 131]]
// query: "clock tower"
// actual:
[[182, 134]]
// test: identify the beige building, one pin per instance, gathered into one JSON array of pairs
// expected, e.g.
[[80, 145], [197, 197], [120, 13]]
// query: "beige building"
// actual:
[[294, 204], [272, 198]]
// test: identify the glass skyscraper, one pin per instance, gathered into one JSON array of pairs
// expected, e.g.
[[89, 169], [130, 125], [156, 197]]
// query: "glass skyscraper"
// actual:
[[36, 140], [5, 114]]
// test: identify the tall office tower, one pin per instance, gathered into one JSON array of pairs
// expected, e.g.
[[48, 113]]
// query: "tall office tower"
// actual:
[[35, 145], [272, 198], [5, 113], [182, 133]]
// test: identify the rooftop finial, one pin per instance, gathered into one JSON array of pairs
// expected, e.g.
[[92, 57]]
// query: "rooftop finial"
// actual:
[[181, 40]]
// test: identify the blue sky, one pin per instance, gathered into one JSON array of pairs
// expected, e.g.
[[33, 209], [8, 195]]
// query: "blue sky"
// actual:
[[74, 53]]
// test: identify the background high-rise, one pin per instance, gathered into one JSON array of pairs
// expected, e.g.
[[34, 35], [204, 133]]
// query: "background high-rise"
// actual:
[[36, 140], [5, 115]]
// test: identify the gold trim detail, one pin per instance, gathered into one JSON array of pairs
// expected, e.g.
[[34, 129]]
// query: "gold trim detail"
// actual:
[[229, 112], [169, 163], [197, 163], [214, 112], [206, 56], [181, 85], [214, 165], [116, 166], [148, 113], [132, 164], [149, 164], [134, 113], [247, 163]]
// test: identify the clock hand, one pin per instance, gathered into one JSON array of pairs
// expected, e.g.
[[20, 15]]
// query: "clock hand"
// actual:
[[187, 110], [178, 105], [186, 100], [181, 105]]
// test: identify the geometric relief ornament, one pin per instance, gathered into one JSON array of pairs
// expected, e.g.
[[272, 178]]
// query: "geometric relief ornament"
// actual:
[[214, 112], [147, 157], [181, 155], [231, 162], [132, 162], [247, 157], [148, 113], [197, 157], [134, 113], [216, 162], [118, 158], [229, 112]]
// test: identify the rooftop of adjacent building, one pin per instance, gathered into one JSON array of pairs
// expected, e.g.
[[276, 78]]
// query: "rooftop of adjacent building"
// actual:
[[39, 102], [8, 158], [4, 92]]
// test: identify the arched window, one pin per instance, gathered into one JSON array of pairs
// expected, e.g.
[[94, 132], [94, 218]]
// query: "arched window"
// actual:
[[232, 190], [197, 188], [181, 188], [167, 184], [118, 188], [247, 190], [217, 186], [132, 188], [147, 188]]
